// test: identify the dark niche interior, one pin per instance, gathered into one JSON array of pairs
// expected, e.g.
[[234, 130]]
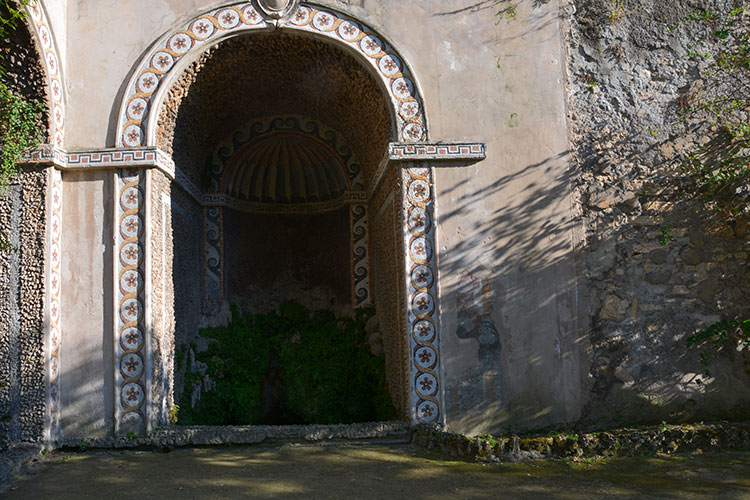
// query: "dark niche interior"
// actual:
[[284, 344], [271, 258]]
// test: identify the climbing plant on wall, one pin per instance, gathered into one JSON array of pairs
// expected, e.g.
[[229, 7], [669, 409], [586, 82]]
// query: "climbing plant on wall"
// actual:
[[720, 167], [19, 117]]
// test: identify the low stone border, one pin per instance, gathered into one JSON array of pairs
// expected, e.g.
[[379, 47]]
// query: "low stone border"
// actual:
[[14, 461], [664, 439], [250, 434]]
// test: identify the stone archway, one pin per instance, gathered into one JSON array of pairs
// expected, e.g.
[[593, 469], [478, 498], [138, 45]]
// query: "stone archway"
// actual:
[[180, 46], [140, 395]]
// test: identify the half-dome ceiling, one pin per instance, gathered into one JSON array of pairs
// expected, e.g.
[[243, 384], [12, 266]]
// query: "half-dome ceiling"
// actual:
[[250, 77], [285, 166]]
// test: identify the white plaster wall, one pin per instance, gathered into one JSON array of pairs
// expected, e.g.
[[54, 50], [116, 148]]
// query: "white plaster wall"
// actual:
[[106, 39], [86, 305], [505, 235]]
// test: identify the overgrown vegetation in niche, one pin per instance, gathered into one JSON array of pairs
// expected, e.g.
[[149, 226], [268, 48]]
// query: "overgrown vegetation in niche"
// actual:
[[19, 117], [294, 366]]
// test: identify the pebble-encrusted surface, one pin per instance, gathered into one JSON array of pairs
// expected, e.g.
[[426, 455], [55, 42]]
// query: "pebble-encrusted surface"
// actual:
[[22, 221], [248, 78], [22, 386]]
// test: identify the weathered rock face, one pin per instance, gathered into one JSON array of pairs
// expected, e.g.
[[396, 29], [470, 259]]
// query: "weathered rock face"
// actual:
[[22, 221], [659, 268]]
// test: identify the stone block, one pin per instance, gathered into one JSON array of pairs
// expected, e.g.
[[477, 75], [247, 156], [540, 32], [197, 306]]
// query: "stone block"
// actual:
[[613, 308]]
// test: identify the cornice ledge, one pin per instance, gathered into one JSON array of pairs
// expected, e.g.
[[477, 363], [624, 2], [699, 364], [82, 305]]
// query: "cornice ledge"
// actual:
[[448, 152]]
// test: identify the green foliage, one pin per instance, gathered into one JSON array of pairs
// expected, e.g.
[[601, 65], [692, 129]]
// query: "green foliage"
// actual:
[[173, 412], [720, 168], [11, 14], [666, 235], [18, 130], [617, 10], [713, 338], [508, 13], [18, 117], [321, 366]]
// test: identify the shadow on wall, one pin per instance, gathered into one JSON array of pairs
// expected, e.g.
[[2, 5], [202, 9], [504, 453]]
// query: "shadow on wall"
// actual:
[[87, 346], [514, 352], [535, 335], [543, 331]]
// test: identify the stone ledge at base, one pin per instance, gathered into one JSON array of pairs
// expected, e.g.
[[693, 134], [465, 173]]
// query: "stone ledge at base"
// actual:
[[13, 460], [664, 439], [252, 434]]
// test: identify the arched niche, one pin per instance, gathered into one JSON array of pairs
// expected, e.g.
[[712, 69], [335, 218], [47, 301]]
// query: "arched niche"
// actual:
[[363, 89]]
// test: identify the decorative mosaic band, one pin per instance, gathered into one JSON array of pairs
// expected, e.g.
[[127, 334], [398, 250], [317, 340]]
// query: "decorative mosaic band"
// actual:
[[224, 153], [130, 334], [436, 151], [137, 126], [213, 252], [101, 158], [223, 200], [54, 75], [187, 185], [54, 337], [419, 235], [360, 260]]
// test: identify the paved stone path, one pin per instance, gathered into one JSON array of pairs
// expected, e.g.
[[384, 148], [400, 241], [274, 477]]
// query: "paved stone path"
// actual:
[[372, 472]]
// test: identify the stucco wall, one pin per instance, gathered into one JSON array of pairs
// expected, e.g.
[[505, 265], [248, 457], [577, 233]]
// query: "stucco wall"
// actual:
[[513, 342], [486, 74], [86, 373]]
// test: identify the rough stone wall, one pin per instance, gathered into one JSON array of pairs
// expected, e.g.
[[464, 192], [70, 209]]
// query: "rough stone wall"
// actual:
[[387, 282], [22, 378], [22, 219], [628, 73]]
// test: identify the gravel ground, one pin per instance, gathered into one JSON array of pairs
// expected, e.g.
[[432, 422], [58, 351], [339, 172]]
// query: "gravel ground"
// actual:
[[371, 471]]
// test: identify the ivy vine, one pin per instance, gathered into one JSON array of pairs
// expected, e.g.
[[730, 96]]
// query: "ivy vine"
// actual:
[[712, 339], [720, 167], [19, 116]]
